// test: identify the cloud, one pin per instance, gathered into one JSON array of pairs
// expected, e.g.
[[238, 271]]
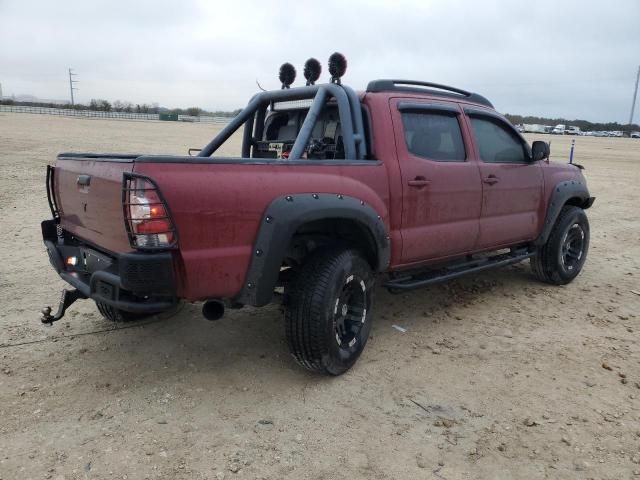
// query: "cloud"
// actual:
[[572, 59]]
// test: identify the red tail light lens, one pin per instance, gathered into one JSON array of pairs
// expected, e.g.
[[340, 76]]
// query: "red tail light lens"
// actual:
[[147, 217]]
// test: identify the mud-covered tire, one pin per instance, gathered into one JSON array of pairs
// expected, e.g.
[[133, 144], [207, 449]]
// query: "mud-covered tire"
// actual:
[[561, 259], [328, 311], [116, 315]]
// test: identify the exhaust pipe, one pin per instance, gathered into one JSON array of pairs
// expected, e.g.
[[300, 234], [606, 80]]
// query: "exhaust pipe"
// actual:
[[213, 310]]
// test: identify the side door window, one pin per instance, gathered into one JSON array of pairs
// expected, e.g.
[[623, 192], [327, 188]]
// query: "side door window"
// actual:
[[497, 143], [434, 135]]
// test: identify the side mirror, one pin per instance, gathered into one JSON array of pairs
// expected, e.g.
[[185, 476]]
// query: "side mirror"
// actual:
[[539, 150]]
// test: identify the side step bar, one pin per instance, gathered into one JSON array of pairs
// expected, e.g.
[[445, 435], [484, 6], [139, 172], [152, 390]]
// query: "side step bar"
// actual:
[[430, 277]]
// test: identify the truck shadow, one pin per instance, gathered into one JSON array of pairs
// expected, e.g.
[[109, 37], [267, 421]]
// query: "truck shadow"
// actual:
[[249, 346]]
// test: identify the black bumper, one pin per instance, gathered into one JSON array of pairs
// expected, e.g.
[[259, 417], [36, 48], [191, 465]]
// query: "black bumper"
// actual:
[[134, 282]]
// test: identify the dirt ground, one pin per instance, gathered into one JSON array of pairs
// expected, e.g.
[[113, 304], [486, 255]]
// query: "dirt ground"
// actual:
[[496, 377]]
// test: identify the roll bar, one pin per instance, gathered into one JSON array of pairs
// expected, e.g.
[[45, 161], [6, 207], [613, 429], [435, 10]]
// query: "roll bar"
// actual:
[[349, 110]]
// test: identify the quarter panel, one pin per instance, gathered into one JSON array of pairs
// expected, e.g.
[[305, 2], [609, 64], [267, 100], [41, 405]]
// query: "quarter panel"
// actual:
[[218, 209]]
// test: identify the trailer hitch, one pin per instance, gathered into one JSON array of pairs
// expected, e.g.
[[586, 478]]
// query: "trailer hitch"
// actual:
[[67, 299]]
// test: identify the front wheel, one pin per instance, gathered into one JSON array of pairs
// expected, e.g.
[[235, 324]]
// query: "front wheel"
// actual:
[[328, 311], [561, 259]]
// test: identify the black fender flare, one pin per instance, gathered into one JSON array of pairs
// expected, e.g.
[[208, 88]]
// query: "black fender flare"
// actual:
[[281, 220], [562, 192]]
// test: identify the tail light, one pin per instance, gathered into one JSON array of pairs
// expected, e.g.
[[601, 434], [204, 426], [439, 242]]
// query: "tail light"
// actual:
[[147, 217]]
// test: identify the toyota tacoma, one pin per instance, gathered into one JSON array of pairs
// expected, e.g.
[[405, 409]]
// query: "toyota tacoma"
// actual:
[[404, 184]]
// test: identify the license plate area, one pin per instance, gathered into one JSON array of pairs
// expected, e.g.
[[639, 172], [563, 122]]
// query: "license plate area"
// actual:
[[94, 260], [105, 290]]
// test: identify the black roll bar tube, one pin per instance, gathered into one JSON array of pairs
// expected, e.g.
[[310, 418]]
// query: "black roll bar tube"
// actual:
[[356, 114], [231, 127], [348, 107], [247, 137], [304, 135]]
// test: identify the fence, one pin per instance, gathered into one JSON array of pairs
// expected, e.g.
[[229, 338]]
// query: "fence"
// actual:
[[69, 112]]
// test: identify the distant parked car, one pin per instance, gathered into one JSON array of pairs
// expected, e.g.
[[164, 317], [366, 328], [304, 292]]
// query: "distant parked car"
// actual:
[[635, 134], [534, 128], [572, 131], [559, 129]]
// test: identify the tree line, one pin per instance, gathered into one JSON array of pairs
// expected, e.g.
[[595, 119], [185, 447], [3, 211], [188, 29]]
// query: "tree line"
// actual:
[[101, 105]]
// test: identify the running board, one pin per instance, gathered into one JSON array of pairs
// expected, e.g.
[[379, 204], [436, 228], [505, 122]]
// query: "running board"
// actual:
[[430, 277]]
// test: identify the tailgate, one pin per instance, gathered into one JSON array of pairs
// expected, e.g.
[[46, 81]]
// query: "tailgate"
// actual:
[[88, 192]]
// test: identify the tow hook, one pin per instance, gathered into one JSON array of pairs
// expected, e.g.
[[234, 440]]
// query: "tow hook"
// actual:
[[67, 299]]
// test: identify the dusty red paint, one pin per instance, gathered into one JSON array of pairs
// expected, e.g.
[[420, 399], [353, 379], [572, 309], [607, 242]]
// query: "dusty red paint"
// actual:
[[95, 213], [217, 208]]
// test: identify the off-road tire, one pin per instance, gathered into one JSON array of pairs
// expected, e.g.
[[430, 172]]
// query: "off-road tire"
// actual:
[[551, 264], [328, 310], [116, 315]]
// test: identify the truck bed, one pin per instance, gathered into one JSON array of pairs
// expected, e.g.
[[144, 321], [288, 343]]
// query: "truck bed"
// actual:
[[217, 205]]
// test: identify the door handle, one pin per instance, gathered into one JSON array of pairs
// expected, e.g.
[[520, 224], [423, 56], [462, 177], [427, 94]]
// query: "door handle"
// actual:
[[84, 180], [491, 179], [419, 182]]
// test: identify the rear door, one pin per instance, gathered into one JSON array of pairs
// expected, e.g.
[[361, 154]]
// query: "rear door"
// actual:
[[511, 183], [88, 192], [441, 188]]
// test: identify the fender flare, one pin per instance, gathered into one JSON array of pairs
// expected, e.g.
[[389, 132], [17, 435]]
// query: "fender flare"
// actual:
[[562, 192], [281, 220]]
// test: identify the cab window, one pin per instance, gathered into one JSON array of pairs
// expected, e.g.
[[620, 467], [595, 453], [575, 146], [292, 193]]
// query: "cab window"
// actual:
[[434, 135], [497, 143]]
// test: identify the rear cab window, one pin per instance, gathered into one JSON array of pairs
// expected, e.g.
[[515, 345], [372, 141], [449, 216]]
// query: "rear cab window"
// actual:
[[282, 128], [433, 132], [283, 124]]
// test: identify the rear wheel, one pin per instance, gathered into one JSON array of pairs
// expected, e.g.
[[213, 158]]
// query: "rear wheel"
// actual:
[[116, 315], [561, 259], [328, 311]]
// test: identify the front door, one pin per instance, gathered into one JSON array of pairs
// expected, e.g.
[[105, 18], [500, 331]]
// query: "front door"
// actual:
[[511, 183], [441, 187]]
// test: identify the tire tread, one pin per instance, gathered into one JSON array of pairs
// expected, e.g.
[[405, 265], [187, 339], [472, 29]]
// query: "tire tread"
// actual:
[[306, 302], [544, 263]]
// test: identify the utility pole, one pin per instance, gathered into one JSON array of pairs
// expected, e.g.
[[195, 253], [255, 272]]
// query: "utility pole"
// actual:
[[71, 87], [635, 96]]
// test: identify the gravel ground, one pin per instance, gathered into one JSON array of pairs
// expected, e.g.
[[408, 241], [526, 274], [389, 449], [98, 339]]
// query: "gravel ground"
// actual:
[[496, 377]]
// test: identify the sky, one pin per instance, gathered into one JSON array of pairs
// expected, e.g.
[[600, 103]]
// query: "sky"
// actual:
[[571, 59]]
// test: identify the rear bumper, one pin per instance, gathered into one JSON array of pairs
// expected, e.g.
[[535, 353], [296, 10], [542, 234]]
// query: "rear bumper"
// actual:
[[134, 282]]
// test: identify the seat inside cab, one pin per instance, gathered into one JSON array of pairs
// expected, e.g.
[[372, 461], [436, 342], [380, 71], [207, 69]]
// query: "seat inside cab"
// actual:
[[281, 129]]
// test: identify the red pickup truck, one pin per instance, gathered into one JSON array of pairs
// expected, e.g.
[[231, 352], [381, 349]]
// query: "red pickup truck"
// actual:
[[407, 183]]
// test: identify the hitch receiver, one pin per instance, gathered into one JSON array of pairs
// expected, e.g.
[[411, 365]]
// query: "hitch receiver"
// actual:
[[67, 299]]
